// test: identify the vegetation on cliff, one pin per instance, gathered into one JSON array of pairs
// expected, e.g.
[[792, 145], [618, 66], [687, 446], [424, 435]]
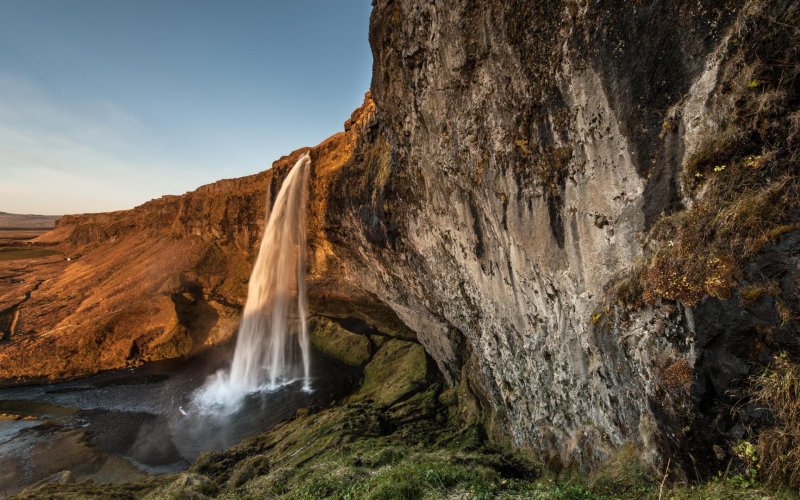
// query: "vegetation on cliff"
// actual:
[[736, 237], [742, 183]]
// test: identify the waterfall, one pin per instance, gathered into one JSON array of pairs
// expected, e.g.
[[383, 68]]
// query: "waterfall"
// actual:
[[272, 347]]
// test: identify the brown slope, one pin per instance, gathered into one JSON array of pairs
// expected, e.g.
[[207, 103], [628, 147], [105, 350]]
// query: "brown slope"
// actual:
[[159, 281]]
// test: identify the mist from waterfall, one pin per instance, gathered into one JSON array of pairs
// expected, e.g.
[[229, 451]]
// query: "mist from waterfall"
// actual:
[[272, 347]]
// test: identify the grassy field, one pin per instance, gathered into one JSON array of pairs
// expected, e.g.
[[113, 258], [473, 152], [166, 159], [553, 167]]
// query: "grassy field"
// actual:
[[19, 253], [11, 235]]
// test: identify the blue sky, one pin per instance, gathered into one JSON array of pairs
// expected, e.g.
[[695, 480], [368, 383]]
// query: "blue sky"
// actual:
[[105, 104]]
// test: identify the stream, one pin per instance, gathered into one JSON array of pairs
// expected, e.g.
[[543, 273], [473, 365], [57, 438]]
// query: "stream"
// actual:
[[124, 425]]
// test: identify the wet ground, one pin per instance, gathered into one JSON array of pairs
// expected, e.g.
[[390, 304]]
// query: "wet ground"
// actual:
[[122, 425]]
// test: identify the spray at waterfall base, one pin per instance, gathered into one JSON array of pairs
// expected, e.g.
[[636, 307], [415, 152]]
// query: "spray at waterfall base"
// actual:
[[272, 346]]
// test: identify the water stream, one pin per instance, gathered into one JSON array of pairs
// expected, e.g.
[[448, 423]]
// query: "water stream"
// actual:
[[120, 425]]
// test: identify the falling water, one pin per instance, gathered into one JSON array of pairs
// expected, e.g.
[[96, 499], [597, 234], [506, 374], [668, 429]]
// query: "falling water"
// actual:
[[272, 348]]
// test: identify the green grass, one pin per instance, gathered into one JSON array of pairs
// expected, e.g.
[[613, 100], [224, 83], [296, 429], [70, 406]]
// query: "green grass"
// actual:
[[360, 451], [19, 253]]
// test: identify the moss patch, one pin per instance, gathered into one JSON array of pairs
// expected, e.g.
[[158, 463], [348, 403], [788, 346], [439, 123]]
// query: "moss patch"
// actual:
[[362, 451], [340, 344], [398, 369], [366, 308]]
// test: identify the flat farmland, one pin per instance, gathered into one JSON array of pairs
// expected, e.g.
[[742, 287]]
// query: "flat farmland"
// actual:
[[17, 232], [26, 252], [27, 221], [17, 235]]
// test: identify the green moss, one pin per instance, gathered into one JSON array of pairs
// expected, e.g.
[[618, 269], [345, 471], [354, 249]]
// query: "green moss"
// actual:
[[338, 343], [398, 369], [378, 340], [359, 451], [248, 469], [623, 474], [367, 308], [186, 486]]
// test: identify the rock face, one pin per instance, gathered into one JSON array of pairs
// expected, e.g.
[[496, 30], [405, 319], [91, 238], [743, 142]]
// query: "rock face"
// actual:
[[523, 156], [520, 198]]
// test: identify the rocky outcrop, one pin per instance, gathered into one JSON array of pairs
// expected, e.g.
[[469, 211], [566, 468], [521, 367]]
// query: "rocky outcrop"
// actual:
[[533, 196], [524, 158]]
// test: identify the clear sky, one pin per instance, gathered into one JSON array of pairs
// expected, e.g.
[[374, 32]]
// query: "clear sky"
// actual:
[[105, 104]]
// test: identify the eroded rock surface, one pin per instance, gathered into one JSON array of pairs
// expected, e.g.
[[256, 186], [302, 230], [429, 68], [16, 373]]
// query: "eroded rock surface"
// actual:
[[523, 155], [499, 202]]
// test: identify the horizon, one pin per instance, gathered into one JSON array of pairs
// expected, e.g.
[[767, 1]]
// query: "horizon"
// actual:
[[110, 104]]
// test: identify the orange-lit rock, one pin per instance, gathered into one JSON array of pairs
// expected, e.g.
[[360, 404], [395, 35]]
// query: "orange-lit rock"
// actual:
[[162, 280]]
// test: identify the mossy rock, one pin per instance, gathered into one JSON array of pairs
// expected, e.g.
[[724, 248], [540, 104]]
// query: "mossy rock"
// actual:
[[398, 369], [378, 340], [187, 486], [369, 310], [248, 469], [340, 344], [624, 473]]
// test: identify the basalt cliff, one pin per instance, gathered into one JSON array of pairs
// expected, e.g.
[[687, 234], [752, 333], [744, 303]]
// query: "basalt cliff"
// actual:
[[587, 213]]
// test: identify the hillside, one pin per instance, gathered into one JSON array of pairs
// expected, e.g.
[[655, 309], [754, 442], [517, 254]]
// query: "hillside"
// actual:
[[588, 214], [162, 280]]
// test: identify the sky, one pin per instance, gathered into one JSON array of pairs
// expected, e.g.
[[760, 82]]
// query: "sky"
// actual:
[[105, 104]]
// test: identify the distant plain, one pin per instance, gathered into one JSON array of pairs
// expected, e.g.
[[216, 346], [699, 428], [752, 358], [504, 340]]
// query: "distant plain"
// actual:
[[17, 231]]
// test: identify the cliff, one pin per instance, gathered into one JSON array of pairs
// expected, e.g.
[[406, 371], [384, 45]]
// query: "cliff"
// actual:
[[162, 280], [587, 213]]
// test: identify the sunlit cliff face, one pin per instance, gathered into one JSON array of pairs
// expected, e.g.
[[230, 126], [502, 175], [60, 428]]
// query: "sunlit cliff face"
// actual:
[[167, 278]]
